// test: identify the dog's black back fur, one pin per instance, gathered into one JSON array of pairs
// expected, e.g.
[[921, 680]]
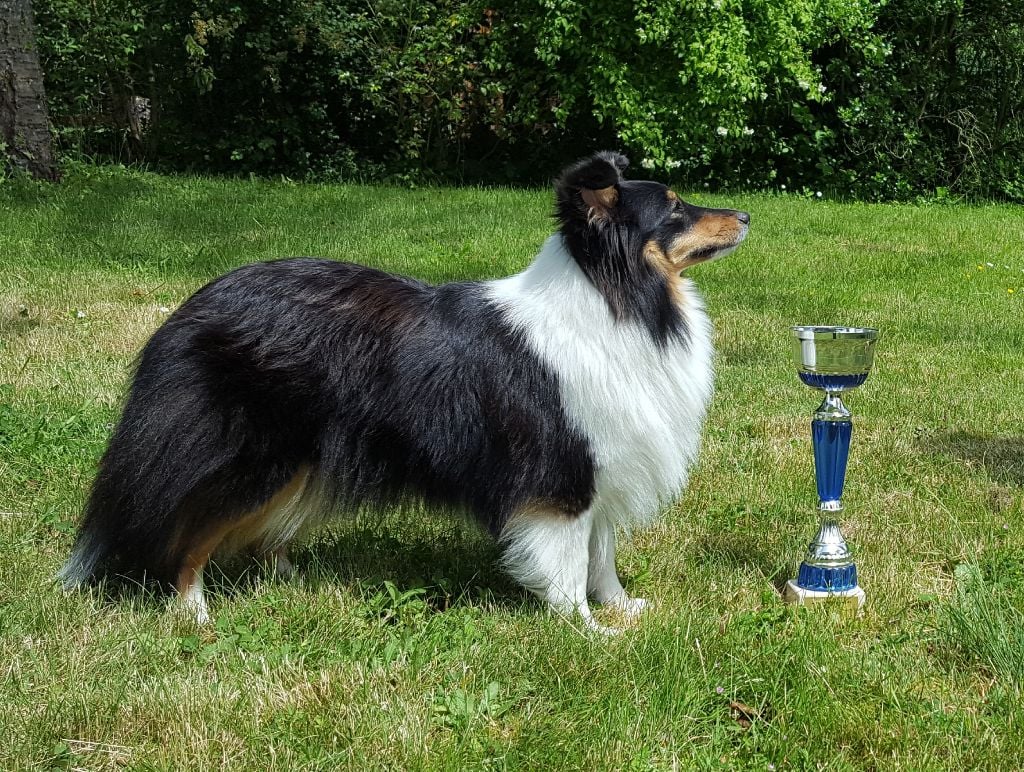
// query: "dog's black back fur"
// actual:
[[284, 365]]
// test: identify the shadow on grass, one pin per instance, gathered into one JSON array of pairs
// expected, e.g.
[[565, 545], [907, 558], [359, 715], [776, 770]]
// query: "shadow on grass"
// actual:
[[455, 568], [16, 324], [1002, 458], [461, 562], [744, 552], [455, 564]]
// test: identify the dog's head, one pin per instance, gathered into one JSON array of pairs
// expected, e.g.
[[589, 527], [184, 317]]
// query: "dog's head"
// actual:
[[592, 195], [633, 238]]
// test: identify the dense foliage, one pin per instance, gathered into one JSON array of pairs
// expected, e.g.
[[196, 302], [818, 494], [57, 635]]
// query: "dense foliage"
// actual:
[[893, 100]]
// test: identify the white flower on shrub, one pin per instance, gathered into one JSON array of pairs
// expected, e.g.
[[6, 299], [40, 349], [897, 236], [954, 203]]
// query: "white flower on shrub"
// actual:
[[722, 131], [647, 163], [747, 131], [822, 88], [673, 164]]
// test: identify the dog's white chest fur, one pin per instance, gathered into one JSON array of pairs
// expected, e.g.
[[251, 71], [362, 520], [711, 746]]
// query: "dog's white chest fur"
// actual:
[[641, 406]]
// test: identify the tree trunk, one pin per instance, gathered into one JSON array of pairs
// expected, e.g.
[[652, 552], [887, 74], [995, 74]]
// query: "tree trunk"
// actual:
[[24, 128]]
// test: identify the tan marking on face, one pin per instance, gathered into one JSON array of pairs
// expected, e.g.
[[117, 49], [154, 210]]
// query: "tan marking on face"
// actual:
[[711, 230], [663, 264], [671, 195]]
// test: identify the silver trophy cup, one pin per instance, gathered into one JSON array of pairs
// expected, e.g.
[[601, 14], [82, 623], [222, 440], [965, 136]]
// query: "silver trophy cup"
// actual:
[[834, 360]]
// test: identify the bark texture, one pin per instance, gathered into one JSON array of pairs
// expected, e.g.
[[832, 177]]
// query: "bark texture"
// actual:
[[24, 128]]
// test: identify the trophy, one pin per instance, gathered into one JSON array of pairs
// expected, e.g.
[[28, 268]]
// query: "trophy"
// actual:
[[834, 360]]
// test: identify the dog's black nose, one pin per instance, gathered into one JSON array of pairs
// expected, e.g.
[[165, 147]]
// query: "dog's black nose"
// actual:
[[743, 217]]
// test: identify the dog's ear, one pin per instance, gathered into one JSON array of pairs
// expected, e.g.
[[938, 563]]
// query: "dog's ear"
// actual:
[[589, 188]]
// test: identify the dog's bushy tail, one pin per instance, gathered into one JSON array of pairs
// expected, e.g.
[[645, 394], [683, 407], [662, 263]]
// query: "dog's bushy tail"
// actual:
[[108, 514], [150, 489], [86, 556], [157, 460], [201, 442]]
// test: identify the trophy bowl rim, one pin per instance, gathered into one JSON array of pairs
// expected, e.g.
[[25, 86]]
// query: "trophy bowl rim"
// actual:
[[833, 332]]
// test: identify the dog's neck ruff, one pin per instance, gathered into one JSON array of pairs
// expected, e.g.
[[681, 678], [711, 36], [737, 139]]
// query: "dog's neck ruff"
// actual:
[[639, 404]]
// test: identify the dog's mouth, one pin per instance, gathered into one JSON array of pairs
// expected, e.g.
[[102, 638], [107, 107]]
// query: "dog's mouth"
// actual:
[[715, 251], [708, 253]]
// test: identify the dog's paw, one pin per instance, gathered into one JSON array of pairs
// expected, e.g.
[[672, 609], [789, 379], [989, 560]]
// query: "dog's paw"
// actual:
[[282, 567], [193, 609], [276, 563], [581, 614], [594, 627], [631, 608]]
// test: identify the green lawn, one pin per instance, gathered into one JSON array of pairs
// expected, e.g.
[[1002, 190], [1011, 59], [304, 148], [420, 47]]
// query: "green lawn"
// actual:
[[401, 645]]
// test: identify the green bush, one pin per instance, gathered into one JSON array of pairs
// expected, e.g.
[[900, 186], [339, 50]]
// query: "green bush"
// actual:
[[940, 107], [723, 92], [90, 53], [323, 89], [905, 99]]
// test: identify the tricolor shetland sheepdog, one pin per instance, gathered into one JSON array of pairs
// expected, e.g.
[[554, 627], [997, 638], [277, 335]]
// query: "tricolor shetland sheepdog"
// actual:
[[552, 405]]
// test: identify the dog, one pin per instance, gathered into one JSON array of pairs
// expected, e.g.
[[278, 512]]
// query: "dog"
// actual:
[[551, 406]]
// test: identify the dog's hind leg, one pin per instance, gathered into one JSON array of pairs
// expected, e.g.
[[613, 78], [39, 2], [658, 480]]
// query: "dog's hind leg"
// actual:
[[274, 518], [189, 584], [603, 581], [193, 600], [547, 552]]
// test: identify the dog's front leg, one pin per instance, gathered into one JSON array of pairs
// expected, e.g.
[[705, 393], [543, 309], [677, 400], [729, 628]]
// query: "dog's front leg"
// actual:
[[548, 553], [603, 582]]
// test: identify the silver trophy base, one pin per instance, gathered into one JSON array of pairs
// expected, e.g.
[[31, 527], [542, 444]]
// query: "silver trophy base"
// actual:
[[853, 598], [828, 570]]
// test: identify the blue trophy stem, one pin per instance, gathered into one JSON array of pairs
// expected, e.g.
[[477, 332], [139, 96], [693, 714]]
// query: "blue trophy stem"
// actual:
[[831, 451], [829, 566]]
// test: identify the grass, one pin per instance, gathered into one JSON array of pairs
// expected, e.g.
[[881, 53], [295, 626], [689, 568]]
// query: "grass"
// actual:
[[402, 646]]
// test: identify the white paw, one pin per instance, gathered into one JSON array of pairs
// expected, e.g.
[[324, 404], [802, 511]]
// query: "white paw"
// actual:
[[276, 563], [632, 607], [196, 609], [581, 614], [593, 626], [283, 568]]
